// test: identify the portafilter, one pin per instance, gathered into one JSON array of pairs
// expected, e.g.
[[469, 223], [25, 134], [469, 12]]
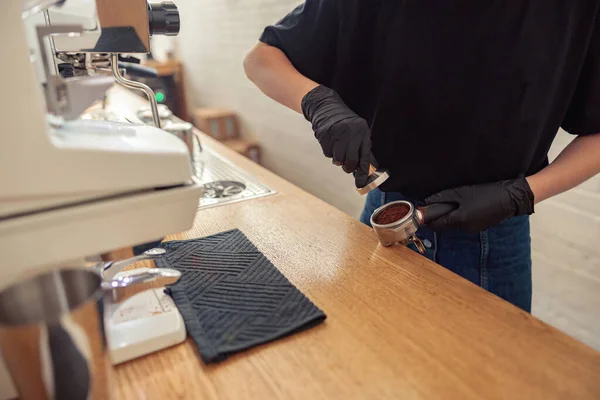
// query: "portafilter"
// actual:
[[409, 219]]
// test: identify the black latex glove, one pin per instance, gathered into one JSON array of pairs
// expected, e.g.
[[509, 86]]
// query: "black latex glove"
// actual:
[[481, 206], [343, 135]]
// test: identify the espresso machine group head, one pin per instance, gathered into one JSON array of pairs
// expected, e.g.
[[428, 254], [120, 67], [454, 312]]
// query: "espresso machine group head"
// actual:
[[117, 26], [91, 184], [75, 188], [92, 43]]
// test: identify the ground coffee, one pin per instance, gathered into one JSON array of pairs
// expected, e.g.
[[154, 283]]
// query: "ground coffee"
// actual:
[[391, 214]]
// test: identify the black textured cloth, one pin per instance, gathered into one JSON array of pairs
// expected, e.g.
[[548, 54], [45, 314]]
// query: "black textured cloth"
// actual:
[[455, 92], [232, 297]]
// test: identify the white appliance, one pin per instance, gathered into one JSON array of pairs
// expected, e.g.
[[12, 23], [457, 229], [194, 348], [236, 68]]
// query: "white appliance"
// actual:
[[72, 189], [143, 324]]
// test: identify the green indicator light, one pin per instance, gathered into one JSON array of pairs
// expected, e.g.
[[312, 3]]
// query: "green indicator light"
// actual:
[[160, 97]]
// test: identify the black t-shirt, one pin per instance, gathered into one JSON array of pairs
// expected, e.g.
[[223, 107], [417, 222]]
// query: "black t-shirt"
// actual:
[[456, 91]]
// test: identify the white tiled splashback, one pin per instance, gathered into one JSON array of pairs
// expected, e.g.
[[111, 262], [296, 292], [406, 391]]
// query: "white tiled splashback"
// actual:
[[215, 36]]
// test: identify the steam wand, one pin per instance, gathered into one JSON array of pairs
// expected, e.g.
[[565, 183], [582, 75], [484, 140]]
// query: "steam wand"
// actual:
[[114, 64]]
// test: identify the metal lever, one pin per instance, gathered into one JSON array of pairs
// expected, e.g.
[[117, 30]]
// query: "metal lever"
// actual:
[[124, 287], [170, 276], [114, 64], [110, 269]]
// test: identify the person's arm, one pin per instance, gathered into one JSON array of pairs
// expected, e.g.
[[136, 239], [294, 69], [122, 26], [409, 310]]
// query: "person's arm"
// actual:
[[577, 163], [580, 160], [294, 63], [273, 73], [297, 53], [343, 135], [481, 206]]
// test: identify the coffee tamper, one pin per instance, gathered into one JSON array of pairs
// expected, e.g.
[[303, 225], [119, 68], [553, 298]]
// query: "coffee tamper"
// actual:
[[376, 178]]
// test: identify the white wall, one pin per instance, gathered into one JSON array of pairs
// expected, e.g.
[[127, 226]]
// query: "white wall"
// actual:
[[566, 258], [215, 36]]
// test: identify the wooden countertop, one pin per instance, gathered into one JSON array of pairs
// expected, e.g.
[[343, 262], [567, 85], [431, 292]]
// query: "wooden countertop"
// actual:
[[398, 327]]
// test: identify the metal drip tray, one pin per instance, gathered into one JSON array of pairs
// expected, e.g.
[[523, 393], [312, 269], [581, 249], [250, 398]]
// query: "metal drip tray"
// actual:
[[222, 189], [224, 182]]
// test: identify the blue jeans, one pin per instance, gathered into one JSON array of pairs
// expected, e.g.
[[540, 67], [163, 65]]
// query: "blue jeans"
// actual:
[[498, 259]]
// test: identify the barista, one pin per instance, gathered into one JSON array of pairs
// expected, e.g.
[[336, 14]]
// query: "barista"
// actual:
[[459, 101]]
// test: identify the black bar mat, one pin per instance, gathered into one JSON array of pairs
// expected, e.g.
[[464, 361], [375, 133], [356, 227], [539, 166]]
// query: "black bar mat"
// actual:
[[232, 297]]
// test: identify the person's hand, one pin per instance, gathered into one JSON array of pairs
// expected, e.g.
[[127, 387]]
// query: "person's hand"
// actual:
[[343, 135], [482, 206]]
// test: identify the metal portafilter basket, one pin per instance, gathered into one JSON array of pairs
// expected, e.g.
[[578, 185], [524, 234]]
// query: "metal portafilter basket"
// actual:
[[410, 218]]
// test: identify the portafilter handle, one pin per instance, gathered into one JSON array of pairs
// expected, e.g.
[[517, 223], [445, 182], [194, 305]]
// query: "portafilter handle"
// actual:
[[434, 211]]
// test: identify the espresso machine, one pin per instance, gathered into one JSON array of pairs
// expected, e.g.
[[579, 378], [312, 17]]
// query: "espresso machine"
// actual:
[[73, 188]]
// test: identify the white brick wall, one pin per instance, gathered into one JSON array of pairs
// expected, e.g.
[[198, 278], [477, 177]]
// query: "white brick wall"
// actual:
[[216, 34], [566, 258], [215, 37]]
